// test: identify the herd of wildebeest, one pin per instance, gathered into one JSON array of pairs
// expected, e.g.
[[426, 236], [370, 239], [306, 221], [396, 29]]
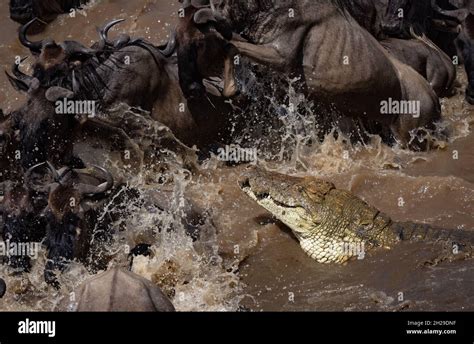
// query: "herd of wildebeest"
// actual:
[[351, 55]]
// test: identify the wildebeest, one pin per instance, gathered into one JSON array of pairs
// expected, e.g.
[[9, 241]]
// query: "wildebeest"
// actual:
[[118, 290], [353, 71], [382, 17], [22, 11], [74, 198], [194, 35], [451, 25], [463, 13], [66, 73], [42, 134], [59, 208]]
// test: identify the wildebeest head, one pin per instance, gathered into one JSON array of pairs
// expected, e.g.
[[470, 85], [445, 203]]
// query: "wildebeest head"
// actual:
[[55, 61], [70, 212], [58, 73], [42, 133], [203, 49], [392, 22], [402, 15]]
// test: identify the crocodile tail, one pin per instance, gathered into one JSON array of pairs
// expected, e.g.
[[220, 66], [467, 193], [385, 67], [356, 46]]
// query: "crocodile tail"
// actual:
[[458, 239]]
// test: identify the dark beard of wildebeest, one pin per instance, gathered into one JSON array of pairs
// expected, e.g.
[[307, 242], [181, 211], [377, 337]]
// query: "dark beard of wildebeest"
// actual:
[[22, 11], [61, 211], [341, 63]]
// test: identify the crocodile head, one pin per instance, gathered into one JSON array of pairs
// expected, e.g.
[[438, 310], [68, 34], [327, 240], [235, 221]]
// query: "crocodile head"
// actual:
[[332, 225], [292, 200]]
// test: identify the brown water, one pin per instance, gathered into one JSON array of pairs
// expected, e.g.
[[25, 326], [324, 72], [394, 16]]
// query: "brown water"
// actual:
[[243, 257]]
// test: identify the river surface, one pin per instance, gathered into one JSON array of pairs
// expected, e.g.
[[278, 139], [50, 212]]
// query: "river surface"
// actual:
[[244, 259]]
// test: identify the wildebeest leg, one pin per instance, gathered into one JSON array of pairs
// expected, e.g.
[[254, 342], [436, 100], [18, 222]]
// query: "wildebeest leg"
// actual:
[[265, 54], [440, 70], [410, 129]]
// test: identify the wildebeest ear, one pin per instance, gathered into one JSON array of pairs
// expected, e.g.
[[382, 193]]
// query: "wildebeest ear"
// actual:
[[17, 84], [204, 16], [55, 93]]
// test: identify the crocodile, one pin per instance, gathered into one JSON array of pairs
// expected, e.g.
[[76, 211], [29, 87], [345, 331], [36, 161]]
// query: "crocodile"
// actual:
[[333, 225]]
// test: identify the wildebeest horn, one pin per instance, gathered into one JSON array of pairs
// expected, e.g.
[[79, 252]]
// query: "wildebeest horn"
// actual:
[[21, 81], [28, 173], [459, 14], [91, 190], [104, 41], [204, 16], [75, 83], [170, 47], [33, 46], [27, 79]]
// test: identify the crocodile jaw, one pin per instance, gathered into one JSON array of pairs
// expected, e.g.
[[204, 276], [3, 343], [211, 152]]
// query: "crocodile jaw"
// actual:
[[290, 216], [326, 250]]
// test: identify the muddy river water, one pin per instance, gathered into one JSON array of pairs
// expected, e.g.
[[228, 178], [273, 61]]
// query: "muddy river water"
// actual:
[[244, 259]]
